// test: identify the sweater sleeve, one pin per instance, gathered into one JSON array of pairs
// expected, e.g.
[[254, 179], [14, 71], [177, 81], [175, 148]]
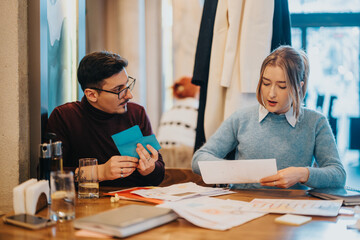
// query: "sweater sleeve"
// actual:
[[330, 172], [219, 145]]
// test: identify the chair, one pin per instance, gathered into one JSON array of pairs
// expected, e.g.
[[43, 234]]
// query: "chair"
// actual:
[[181, 175], [354, 138], [177, 156]]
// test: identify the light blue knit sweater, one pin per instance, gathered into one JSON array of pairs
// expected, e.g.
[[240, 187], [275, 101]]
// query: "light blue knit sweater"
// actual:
[[310, 140]]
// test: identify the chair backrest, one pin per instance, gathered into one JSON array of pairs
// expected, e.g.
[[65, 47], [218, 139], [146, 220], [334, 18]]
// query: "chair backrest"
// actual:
[[177, 156], [181, 175], [354, 134]]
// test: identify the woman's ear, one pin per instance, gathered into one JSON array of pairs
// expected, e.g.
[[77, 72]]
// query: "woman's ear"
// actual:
[[91, 95], [302, 83]]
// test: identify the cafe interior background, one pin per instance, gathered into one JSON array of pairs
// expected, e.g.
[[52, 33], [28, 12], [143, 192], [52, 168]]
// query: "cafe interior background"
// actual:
[[42, 41]]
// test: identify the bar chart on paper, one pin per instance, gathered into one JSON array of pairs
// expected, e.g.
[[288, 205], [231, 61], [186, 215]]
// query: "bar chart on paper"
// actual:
[[303, 207]]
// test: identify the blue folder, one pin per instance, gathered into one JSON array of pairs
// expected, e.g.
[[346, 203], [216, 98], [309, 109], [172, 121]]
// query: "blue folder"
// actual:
[[126, 141]]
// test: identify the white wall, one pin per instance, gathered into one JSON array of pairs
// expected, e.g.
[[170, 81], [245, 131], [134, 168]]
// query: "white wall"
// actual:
[[186, 25], [131, 28], [14, 108]]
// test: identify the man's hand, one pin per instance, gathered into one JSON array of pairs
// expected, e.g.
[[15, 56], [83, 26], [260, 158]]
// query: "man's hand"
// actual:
[[146, 161], [117, 167], [286, 177]]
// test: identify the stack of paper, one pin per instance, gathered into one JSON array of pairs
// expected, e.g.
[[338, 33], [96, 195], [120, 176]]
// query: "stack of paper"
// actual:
[[348, 196], [212, 213], [181, 191]]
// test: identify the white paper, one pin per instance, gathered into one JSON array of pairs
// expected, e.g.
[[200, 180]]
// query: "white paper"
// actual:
[[212, 213], [355, 226], [180, 191], [237, 171], [328, 208]]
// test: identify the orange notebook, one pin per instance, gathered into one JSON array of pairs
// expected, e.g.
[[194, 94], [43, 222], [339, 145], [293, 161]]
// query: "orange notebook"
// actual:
[[127, 195]]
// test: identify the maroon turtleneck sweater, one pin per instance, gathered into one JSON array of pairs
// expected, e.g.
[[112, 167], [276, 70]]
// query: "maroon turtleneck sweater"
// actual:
[[86, 132]]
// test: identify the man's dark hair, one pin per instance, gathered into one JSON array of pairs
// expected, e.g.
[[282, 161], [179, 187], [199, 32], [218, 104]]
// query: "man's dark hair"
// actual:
[[97, 66]]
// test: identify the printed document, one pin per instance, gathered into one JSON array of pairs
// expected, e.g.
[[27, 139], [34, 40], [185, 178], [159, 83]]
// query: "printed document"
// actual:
[[180, 191], [328, 208], [237, 171], [212, 213]]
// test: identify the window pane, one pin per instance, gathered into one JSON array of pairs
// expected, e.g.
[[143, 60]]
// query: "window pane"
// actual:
[[167, 56], [334, 77], [329, 6], [296, 38]]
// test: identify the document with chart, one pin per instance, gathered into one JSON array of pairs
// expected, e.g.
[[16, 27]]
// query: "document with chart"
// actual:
[[328, 208]]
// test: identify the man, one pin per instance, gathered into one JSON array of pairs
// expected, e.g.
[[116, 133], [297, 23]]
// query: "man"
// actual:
[[86, 127]]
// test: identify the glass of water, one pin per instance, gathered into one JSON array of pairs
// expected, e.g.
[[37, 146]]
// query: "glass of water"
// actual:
[[88, 178], [62, 196]]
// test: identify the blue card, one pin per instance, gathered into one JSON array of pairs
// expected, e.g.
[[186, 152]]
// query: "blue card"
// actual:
[[126, 141], [129, 149], [128, 135], [151, 140]]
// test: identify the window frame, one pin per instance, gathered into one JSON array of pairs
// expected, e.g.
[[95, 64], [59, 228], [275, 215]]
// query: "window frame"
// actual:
[[303, 21]]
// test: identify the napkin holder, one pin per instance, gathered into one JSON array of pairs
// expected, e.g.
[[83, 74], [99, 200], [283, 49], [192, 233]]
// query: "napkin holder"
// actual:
[[31, 196]]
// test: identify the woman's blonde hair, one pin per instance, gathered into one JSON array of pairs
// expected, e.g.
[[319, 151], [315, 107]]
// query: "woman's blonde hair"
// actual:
[[295, 65]]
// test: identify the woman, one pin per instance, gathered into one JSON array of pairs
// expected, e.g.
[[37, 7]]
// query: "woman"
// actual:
[[281, 128]]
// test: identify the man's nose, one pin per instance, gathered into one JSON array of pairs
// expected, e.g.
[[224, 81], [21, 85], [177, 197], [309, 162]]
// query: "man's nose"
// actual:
[[129, 94]]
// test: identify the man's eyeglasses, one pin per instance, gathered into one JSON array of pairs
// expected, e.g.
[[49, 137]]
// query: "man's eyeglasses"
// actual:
[[123, 92]]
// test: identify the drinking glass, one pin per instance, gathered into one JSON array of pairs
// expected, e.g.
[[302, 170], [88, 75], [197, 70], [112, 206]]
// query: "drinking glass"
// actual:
[[62, 196], [88, 178]]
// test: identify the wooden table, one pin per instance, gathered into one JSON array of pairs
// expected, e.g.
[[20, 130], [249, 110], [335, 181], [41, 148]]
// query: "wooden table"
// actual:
[[261, 228]]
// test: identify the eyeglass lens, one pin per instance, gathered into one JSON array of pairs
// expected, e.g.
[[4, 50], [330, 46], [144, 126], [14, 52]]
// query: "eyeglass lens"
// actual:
[[124, 92]]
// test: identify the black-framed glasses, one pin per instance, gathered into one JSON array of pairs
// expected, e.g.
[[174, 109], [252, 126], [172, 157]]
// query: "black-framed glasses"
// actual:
[[123, 92]]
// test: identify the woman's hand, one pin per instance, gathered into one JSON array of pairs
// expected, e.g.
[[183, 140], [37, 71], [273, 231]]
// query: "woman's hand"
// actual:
[[286, 177], [146, 161]]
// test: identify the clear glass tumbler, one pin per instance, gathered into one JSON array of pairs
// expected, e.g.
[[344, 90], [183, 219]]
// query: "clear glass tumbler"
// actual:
[[88, 178], [62, 196]]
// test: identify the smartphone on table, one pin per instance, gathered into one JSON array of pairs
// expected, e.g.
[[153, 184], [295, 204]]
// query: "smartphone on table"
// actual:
[[28, 221]]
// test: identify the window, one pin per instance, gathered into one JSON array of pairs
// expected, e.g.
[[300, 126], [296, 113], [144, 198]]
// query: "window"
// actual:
[[167, 54], [330, 34]]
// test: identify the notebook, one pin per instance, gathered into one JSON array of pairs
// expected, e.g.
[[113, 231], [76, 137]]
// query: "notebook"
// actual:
[[127, 220], [349, 197]]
